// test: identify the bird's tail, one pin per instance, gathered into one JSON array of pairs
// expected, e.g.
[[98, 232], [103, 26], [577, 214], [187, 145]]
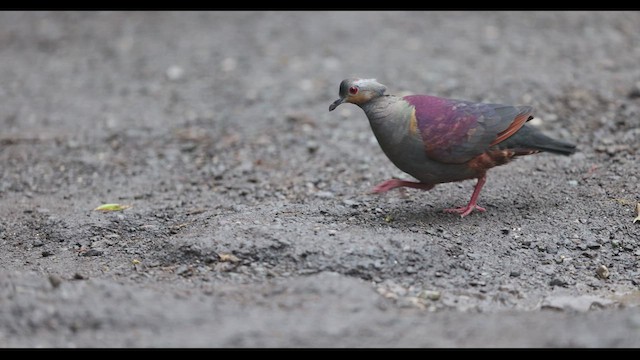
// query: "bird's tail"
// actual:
[[530, 138]]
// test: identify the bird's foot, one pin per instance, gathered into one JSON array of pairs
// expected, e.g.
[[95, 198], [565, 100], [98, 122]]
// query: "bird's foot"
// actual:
[[465, 210], [396, 183], [386, 186]]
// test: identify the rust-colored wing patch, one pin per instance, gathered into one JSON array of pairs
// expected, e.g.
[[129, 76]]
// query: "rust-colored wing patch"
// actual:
[[493, 158], [517, 123]]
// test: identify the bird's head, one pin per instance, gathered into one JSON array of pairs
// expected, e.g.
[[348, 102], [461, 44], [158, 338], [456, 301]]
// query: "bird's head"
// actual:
[[358, 91]]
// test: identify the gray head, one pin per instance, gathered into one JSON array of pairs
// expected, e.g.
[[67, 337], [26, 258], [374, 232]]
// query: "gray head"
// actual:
[[358, 91]]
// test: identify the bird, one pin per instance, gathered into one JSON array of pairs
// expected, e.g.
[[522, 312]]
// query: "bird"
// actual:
[[440, 140]]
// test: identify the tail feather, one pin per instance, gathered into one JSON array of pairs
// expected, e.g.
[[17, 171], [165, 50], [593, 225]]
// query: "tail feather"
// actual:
[[557, 147], [530, 138]]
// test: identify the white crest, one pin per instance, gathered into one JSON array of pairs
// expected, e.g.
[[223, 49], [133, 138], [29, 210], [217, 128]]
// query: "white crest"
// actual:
[[361, 82]]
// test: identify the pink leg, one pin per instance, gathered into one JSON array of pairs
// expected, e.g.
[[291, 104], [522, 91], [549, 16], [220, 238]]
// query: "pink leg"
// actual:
[[472, 205], [396, 183]]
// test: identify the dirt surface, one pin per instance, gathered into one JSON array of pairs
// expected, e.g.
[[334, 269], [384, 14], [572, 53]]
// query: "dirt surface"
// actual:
[[250, 221]]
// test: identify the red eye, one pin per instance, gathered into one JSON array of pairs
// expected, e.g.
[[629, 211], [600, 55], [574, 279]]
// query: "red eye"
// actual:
[[353, 90]]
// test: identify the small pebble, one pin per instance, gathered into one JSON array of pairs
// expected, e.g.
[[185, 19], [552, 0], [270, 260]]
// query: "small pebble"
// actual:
[[602, 272], [351, 203], [558, 282], [174, 73], [324, 194], [409, 302], [572, 182], [477, 283], [430, 295], [225, 257], [593, 245], [312, 146], [93, 252], [514, 273], [183, 270], [634, 93], [47, 253], [55, 280], [78, 276], [211, 259]]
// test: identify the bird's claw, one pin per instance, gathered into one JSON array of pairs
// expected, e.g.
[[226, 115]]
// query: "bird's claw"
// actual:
[[465, 210]]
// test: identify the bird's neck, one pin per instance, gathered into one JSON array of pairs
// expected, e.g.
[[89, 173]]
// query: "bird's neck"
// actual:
[[377, 108], [378, 102]]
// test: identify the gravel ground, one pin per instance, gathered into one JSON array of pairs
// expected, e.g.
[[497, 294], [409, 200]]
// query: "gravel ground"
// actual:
[[251, 223]]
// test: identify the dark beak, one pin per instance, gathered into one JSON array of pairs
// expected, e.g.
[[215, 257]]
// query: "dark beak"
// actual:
[[335, 104]]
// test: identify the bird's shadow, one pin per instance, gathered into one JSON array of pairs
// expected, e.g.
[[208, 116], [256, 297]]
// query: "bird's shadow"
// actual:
[[411, 213]]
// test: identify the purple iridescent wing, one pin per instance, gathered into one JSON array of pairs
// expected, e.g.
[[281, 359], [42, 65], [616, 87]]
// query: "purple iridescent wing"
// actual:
[[455, 131]]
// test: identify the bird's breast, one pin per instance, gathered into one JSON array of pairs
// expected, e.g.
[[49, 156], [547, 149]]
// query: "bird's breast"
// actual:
[[394, 124]]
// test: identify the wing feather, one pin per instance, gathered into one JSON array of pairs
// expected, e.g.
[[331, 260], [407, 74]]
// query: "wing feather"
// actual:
[[455, 131]]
